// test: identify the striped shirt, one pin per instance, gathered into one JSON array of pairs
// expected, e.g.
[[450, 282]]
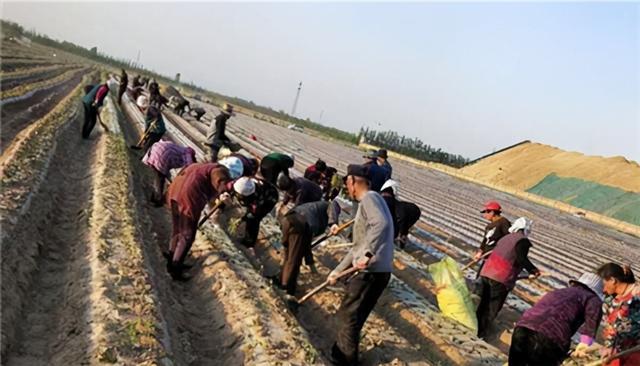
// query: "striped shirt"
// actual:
[[165, 155]]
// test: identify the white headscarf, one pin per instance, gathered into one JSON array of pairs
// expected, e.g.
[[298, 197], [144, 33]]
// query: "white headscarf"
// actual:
[[521, 223]]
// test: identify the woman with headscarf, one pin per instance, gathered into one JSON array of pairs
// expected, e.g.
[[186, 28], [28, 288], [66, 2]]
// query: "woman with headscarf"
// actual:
[[500, 272], [543, 335]]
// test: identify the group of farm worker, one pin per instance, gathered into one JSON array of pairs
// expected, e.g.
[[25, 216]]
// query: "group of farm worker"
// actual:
[[310, 205], [543, 334]]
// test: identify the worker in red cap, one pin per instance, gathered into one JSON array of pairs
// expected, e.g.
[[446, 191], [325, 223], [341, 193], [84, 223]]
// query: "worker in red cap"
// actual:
[[497, 227]]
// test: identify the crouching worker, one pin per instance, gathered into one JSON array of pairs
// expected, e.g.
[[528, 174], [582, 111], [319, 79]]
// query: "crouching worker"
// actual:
[[543, 335], [500, 273], [372, 234], [194, 187], [259, 197], [162, 157], [299, 226]]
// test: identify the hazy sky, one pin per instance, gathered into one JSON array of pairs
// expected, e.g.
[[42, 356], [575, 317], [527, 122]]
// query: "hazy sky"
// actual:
[[466, 77]]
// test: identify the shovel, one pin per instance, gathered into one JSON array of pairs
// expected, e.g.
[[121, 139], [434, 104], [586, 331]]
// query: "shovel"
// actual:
[[327, 236], [138, 146], [209, 214], [476, 260], [102, 123], [340, 275]]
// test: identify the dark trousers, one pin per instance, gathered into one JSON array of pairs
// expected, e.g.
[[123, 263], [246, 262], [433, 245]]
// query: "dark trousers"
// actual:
[[253, 229], [121, 91], [363, 293], [157, 195], [407, 214], [296, 240], [183, 234], [215, 148], [270, 168], [492, 296], [265, 204], [530, 348], [90, 116]]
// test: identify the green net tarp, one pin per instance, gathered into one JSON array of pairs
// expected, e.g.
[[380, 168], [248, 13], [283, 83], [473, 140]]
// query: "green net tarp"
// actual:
[[609, 201]]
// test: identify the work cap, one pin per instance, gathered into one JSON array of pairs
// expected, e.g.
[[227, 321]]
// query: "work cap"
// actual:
[[358, 170], [390, 183], [234, 165], [491, 206], [244, 186], [592, 281], [382, 153], [522, 223]]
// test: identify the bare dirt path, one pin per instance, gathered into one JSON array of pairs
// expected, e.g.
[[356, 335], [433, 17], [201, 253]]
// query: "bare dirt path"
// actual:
[[19, 114], [54, 326], [198, 332]]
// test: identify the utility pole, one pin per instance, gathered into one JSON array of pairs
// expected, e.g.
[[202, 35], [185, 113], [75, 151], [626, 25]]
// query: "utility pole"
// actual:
[[138, 59], [295, 102], [321, 113]]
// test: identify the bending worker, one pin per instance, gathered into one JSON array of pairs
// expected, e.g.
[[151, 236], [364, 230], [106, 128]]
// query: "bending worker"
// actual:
[[191, 190], [92, 102], [275, 163], [299, 226], [543, 335], [162, 157], [259, 197], [372, 234]]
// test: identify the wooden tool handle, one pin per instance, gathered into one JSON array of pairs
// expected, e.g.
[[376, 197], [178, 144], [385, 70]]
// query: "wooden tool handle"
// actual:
[[476, 260]]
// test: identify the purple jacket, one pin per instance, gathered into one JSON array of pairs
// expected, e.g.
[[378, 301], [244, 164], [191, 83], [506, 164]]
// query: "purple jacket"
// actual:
[[559, 314]]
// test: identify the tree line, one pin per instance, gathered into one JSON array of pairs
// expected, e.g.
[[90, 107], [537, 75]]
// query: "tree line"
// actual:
[[413, 147]]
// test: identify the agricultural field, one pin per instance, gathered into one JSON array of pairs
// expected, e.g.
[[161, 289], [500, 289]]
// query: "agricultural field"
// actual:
[[84, 279]]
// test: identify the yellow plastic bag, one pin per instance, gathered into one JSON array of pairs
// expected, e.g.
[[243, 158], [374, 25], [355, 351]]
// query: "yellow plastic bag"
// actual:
[[454, 299]]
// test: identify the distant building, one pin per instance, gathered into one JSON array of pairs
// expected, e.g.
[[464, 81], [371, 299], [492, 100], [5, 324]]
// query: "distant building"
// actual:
[[177, 77]]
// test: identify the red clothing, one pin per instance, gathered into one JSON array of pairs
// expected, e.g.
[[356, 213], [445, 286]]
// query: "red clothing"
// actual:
[[508, 259], [196, 185], [101, 93]]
